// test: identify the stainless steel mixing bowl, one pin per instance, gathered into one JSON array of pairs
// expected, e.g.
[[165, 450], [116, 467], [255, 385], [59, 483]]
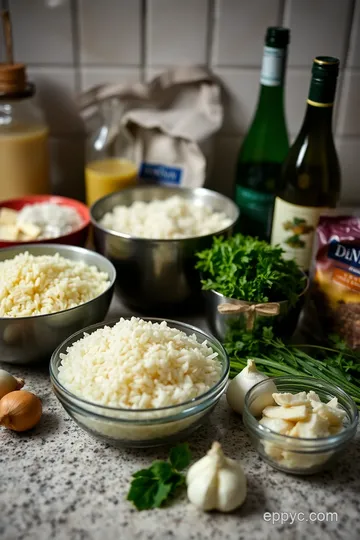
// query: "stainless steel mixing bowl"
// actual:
[[157, 275], [28, 340]]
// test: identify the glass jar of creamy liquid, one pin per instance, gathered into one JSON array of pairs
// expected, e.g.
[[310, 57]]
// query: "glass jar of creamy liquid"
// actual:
[[24, 152]]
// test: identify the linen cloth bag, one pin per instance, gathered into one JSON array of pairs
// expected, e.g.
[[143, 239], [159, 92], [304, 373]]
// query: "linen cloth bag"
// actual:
[[166, 126]]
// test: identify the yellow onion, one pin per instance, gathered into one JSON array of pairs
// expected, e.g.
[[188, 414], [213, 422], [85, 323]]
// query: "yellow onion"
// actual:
[[8, 383], [20, 410]]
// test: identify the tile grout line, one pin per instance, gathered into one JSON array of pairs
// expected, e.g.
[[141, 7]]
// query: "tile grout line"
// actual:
[[143, 39], [75, 32], [212, 13], [346, 50], [284, 12], [281, 13]]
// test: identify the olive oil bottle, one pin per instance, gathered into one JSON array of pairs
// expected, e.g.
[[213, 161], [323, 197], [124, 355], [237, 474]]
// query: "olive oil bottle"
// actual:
[[266, 143], [310, 179]]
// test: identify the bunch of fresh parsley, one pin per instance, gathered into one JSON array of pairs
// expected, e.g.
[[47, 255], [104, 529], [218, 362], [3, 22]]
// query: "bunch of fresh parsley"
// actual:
[[151, 487], [249, 269]]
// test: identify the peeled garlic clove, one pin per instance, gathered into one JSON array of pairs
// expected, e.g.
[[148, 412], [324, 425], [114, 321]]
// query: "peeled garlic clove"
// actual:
[[20, 410], [8, 383]]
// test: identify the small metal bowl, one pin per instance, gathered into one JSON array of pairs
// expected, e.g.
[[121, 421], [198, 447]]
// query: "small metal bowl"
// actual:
[[297, 455], [283, 323], [157, 276], [29, 340], [140, 427]]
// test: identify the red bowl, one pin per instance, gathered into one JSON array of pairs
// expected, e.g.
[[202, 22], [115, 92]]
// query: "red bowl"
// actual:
[[77, 237]]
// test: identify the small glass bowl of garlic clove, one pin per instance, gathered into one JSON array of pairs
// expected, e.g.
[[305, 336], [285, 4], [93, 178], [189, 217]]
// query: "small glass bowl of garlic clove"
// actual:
[[308, 426]]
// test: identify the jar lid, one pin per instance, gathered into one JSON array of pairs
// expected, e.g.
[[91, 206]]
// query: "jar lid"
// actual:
[[12, 78], [13, 82]]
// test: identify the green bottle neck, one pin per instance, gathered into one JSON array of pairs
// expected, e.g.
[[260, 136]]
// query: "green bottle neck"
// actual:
[[318, 120], [271, 96]]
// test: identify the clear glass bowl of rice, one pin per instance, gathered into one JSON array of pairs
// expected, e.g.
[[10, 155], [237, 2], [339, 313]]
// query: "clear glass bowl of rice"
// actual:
[[136, 426]]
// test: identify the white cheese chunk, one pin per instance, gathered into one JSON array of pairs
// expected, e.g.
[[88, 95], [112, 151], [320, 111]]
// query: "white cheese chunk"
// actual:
[[312, 428], [8, 216], [29, 230], [277, 424], [298, 412], [312, 396], [9, 232], [334, 416], [285, 399]]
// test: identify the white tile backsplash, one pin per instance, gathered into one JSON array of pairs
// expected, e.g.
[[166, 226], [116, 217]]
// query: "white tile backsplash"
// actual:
[[42, 35], [349, 108], [110, 32], [240, 31], [318, 27], [296, 93], [55, 93], [240, 95], [93, 76], [177, 32], [349, 156], [82, 43], [353, 59]]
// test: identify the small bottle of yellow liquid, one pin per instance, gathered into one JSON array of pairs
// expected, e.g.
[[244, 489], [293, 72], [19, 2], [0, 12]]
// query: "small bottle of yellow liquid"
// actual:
[[107, 175]]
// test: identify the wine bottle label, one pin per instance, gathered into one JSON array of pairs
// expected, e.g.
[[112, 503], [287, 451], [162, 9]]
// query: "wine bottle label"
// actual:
[[273, 66], [255, 211], [293, 228]]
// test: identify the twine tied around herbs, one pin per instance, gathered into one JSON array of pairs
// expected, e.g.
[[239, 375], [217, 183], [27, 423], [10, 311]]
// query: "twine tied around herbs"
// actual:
[[271, 309]]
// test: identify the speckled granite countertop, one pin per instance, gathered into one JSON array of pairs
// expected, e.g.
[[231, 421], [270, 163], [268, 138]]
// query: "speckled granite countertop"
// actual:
[[58, 483]]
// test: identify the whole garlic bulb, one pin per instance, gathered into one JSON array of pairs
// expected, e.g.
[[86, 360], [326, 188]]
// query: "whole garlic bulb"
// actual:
[[216, 482], [242, 383]]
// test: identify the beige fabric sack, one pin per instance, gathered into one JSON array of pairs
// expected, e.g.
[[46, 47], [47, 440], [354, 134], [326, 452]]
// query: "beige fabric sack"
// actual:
[[165, 126]]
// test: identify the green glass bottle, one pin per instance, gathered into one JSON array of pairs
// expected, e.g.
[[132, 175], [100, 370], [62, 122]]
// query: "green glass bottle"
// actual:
[[310, 180], [266, 143]]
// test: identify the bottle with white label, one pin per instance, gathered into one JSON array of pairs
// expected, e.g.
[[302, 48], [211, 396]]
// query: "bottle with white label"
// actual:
[[266, 143], [310, 180]]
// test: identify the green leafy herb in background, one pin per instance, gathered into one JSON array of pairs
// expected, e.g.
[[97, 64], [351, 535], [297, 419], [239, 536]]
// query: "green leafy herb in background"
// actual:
[[337, 365], [151, 487], [249, 269]]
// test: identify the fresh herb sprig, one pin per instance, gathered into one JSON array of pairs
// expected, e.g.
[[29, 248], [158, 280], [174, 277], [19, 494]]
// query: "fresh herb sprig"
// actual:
[[249, 269], [338, 365], [151, 487]]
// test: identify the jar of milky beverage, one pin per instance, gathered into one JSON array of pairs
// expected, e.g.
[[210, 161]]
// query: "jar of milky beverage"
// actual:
[[24, 150]]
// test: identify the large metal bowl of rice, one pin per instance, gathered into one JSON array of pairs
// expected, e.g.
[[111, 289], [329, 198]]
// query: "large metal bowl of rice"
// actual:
[[154, 252], [48, 292], [139, 382]]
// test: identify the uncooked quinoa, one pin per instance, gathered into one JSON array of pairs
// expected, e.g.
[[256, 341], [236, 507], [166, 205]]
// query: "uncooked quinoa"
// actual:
[[172, 218], [138, 364], [37, 285]]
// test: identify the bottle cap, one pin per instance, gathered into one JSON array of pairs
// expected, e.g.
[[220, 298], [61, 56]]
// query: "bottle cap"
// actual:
[[325, 70], [277, 36], [325, 66]]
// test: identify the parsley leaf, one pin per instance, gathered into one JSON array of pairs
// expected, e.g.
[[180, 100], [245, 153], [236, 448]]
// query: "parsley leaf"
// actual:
[[249, 269], [180, 456], [151, 487]]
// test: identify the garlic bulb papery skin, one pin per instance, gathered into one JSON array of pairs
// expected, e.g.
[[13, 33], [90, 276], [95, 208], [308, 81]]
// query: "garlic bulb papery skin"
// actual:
[[216, 482], [9, 383], [242, 383]]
